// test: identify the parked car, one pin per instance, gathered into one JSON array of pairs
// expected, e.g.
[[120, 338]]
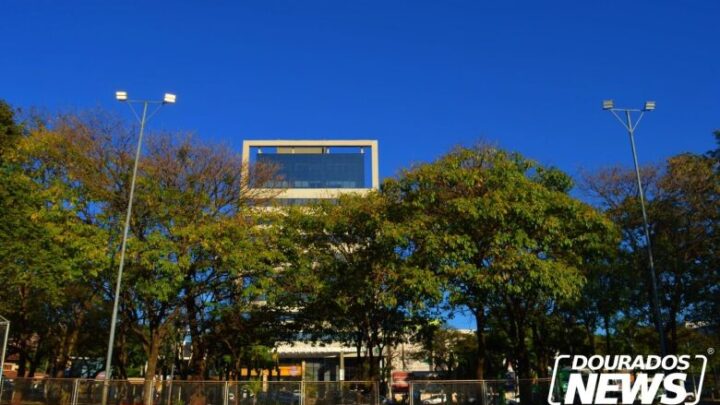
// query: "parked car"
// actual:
[[288, 397]]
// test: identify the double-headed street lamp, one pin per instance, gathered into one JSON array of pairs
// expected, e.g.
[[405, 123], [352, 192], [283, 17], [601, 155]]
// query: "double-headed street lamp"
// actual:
[[142, 119], [627, 123]]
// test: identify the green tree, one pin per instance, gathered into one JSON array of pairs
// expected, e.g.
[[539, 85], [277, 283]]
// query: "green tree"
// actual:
[[355, 284], [10, 131], [192, 238], [715, 154], [49, 250], [452, 351], [505, 235], [683, 201]]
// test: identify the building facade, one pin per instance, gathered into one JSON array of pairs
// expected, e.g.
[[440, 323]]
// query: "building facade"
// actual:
[[314, 170], [307, 171]]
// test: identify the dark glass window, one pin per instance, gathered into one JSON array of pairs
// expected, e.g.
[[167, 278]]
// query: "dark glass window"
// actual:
[[327, 170]]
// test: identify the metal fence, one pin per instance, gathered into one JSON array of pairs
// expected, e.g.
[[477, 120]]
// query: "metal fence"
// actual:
[[341, 392], [57, 391], [120, 392], [472, 392], [264, 393], [4, 333], [710, 385], [46, 391]]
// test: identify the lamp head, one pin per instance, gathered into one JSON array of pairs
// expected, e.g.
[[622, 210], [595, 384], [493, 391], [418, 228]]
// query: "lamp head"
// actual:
[[608, 104], [169, 98], [649, 106], [121, 96]]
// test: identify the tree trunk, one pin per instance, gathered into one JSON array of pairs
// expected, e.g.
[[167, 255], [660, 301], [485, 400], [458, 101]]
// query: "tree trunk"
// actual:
[[122, 355], [24, 336], [34, 363], [198, 363], [591, 337], [152, 361], [672, 324], [22, 361], [388, 364], [371, 362], [52, 366], [68, 348], [57, 352], [480, 333], [606, 321], [359, 370], [523, 367], [386, 371], [238, 367], [543, 358], [517, 315]]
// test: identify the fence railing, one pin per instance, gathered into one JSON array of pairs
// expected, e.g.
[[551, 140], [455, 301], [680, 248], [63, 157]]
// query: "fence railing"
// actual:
[[472, 392], [58, 391], [341, 392]]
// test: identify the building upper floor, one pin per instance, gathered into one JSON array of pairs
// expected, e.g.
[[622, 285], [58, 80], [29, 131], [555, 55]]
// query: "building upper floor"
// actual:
[[306, 170]]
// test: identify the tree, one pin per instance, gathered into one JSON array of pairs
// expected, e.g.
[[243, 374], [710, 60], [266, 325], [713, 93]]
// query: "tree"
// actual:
[[49, 250], [605, 297], [192, 229], [715, 154], [10, 131], [451, 351], [683, 202], [504, 233], [243, 321], [353, 283]]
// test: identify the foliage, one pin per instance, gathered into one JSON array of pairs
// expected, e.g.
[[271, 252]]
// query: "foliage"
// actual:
[[452, 351], [505, 236], [49, 251], [683, 210], [359, 288], [213, 265]]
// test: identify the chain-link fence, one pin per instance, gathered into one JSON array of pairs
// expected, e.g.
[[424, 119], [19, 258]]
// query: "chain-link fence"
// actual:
[[46, 391], [196, 393], [119, 392], [473, 392], [341, 393], [264, 393], [4, 333], [56, 391]]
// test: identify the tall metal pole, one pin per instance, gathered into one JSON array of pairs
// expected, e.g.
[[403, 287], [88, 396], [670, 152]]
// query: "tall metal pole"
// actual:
[[116, 301], [653, 281]]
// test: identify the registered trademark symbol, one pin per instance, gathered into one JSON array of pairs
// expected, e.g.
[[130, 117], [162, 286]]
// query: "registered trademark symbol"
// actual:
[[711, 351]]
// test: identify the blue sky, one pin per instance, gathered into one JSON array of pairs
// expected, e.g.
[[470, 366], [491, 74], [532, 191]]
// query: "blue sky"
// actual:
[[419, 76]]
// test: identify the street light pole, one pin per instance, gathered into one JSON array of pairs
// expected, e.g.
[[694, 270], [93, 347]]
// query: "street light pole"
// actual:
[[143, 119], [630, 127]]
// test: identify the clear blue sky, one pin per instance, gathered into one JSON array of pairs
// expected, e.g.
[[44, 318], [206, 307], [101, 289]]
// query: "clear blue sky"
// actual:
[[419, 76]]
